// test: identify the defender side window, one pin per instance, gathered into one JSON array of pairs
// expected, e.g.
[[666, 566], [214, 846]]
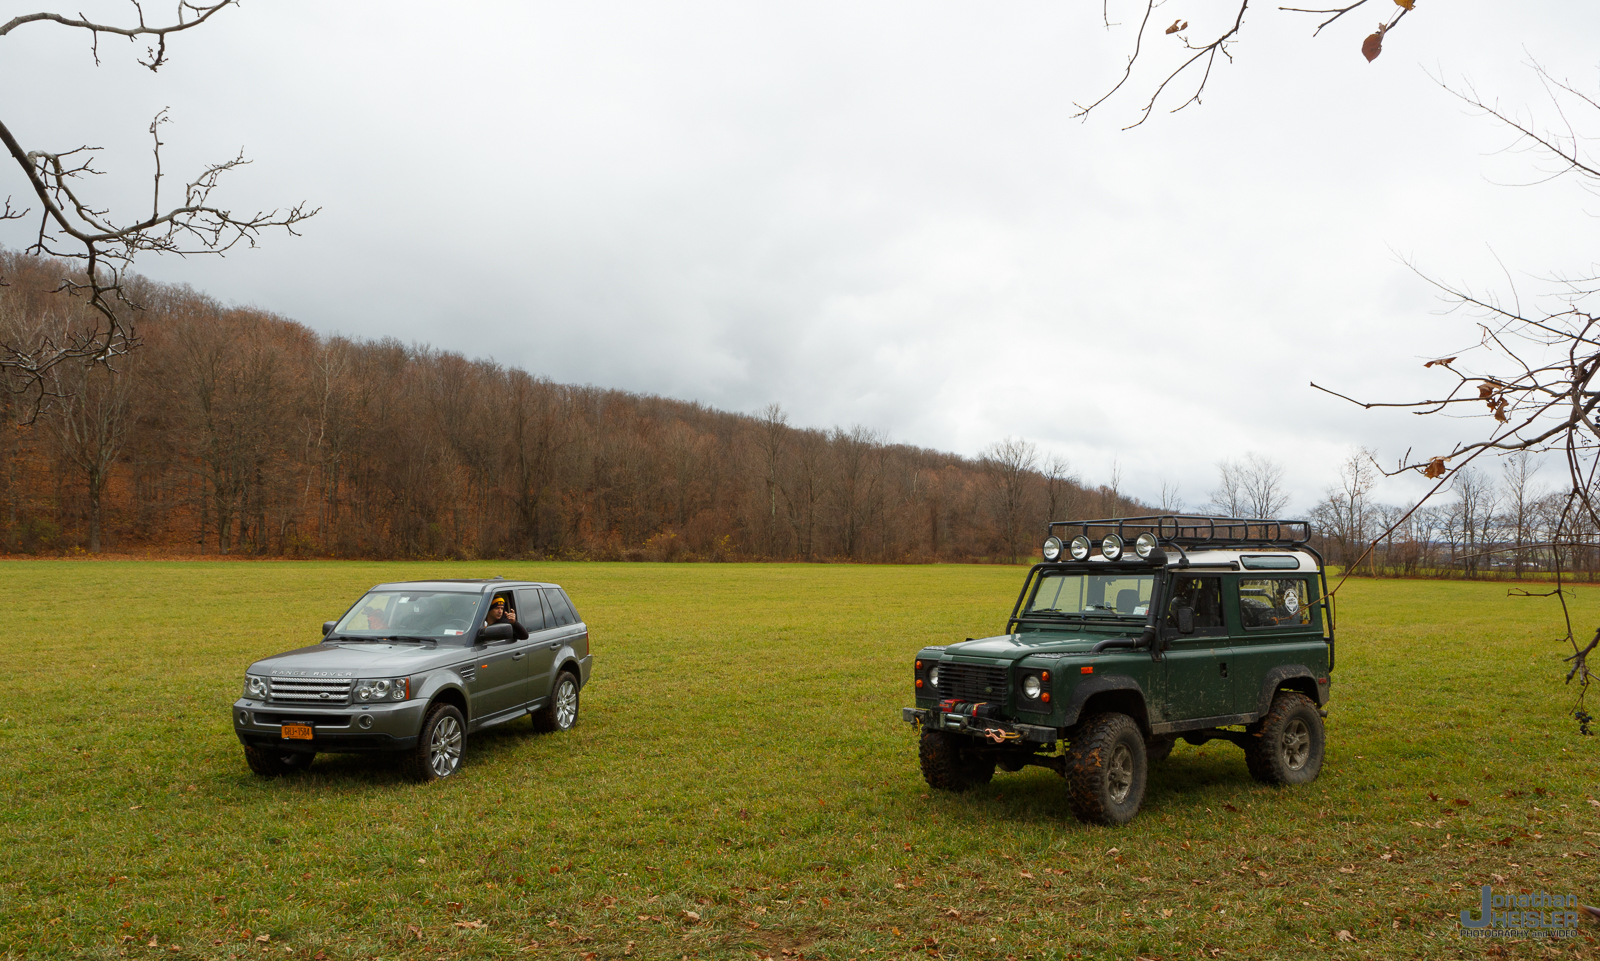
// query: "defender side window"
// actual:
[[1203, 595], [1274, 602]]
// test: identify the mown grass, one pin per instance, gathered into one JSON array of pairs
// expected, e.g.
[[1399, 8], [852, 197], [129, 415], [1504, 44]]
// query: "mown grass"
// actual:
[[740, 785]]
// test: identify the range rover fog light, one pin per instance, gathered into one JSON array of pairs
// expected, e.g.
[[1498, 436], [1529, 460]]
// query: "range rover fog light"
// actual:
[[933, 677], [1052, 548], [1111, 548], [365, 721], [1080, 548], [1031, 686], [1144, 544], [244, 717]]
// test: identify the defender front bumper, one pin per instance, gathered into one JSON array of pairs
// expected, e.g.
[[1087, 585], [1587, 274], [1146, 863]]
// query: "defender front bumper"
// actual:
[[985, 727]]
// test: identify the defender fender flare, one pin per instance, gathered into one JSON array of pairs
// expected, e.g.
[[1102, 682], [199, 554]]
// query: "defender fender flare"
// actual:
[[1100, 684], [1290, 672]]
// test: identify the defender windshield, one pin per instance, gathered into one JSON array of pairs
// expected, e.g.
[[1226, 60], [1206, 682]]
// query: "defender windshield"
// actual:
[[420, 614], [1092, 593]]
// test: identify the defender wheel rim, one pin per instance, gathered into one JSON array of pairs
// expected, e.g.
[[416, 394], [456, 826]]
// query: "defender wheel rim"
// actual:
[[1296, 744], [566, 704], [1119, 774], [444, 747]]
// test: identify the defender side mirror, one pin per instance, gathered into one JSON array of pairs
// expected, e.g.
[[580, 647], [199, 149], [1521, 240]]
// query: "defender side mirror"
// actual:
[[327, 627], [495, 632], [1185, 620]]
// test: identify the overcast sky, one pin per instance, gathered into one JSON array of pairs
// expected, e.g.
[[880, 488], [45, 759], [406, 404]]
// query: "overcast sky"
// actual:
[[871, 213]]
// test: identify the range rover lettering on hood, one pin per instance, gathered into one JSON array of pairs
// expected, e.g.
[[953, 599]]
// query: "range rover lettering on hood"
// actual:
[[313, 674]]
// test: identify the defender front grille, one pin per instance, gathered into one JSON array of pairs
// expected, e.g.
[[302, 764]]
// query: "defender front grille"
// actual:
[[971, 682], [309, 690]]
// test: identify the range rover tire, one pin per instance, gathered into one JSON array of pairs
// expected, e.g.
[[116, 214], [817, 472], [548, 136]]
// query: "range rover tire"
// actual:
[[1287, 747], [270, 763], [1106, 770], [1156, 749], [561, 713], [441, 747], [948, 765]]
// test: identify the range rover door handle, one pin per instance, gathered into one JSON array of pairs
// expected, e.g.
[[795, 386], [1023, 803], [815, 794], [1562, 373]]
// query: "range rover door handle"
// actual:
[[519, 655], [554, 645]]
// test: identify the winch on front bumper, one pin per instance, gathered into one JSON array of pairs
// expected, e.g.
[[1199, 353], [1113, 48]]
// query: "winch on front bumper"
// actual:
[[963, 718]]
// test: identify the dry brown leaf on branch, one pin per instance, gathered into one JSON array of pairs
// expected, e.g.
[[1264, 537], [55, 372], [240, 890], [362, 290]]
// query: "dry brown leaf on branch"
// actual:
[[1178, 25], [1373, 45], [1434, 469], [1408, 4], [1442, 361]]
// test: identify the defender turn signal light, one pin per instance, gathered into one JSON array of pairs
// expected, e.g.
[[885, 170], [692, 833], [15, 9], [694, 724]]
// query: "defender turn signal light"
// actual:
[[1086, 670]]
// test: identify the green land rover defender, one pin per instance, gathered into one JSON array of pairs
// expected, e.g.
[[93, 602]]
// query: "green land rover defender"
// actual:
[[1202, 628]]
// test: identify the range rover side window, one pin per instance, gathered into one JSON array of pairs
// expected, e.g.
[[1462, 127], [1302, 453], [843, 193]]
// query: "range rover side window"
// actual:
[[559, 607], [531, 611]]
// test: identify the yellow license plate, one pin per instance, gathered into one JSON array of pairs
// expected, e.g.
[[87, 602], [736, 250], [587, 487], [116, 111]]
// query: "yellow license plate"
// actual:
[[297, 732]]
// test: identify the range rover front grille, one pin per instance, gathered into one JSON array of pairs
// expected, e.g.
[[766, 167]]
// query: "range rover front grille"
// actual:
[[309, 690], [971, 682]]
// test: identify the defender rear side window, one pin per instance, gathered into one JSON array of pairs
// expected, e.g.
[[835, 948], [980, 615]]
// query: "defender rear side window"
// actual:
[[1274, 602]]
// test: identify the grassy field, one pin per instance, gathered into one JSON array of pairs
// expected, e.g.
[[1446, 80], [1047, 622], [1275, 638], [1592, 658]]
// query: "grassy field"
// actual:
[[740, 785]]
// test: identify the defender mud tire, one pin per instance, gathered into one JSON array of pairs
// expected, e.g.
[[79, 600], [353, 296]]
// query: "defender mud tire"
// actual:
[[1106, 770], [440, 748], [1288, 744], [1157, 749], [948, 765], [270, 763], [561, 712]]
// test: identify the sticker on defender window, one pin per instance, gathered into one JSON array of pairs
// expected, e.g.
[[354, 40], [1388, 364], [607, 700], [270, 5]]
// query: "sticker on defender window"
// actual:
[[1291, 602]]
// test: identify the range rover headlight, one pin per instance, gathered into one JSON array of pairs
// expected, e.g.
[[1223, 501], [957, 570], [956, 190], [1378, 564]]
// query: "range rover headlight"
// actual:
[[1111, 548], [384, 689], [255, 687], [1080, 547], [1052, 548], [1031, 687], [933, 676]]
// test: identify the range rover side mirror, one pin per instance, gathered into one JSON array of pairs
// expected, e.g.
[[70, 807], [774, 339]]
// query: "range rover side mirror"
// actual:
[[1185, 620], [495, 632], [327, 627]]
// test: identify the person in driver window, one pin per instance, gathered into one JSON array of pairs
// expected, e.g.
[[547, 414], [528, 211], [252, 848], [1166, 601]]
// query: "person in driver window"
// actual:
[[500, 614], [375, 619]]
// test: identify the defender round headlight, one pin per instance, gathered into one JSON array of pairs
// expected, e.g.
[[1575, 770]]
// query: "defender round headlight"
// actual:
[[1144, 544], [1031, 686], [255, 687], [1111, 547], [1080, 547], [933, 677], [1052, 548]]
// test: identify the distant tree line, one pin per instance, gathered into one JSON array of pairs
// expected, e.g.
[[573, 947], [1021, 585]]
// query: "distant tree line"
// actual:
[[236, 432], [1489, 523]]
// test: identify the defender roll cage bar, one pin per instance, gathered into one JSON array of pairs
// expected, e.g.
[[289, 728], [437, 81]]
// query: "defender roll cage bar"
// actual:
[[1195, 532]]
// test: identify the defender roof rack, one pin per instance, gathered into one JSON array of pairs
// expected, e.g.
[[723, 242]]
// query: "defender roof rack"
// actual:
[[1195, 530]]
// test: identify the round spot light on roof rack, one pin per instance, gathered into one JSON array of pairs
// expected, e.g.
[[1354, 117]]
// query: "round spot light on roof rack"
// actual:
[[1144, 544], [1052, 548], [1111, 548], [1080, 548]]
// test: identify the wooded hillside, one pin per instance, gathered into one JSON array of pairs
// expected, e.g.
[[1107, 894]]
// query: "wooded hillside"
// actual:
[[234, 431]]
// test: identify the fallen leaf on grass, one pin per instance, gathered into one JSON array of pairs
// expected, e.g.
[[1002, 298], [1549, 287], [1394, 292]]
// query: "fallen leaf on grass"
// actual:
[[263, 938], [414, 931], [628, 949], [1348, 870], [152, 942], [1026, 874], [692, 917], [952, 913], [1231, 808], [1498, 878], [1461, 802], [1345, 936]]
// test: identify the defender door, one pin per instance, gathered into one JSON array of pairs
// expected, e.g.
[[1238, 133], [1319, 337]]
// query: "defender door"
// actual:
[[1197, 682]]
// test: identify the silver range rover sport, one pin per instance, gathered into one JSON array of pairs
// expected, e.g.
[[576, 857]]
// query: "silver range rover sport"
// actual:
[[413, 668]]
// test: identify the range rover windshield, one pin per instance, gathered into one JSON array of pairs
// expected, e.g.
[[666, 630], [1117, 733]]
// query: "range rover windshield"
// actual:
[[1077, 593], [419, 615]]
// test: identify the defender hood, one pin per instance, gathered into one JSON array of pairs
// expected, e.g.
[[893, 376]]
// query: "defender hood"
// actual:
[[1014, 647]]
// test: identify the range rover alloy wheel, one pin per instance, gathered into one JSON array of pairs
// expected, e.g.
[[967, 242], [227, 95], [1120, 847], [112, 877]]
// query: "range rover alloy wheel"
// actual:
[[561, 713], [441, 746]]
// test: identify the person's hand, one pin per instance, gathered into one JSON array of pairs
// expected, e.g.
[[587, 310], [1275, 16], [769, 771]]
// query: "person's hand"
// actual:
[[511, 615]]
